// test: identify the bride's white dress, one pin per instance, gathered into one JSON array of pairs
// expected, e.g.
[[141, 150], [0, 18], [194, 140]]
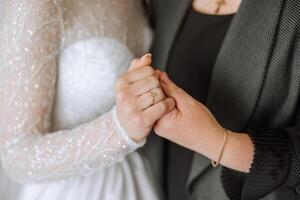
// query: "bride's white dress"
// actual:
[[59, 60]]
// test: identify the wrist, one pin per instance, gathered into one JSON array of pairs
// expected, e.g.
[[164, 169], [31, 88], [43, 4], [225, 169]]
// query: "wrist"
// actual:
[[211, 143], [132, 141], [238, 152]]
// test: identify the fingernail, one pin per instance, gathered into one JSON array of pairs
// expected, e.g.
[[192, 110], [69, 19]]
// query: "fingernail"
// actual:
[[148, 55]]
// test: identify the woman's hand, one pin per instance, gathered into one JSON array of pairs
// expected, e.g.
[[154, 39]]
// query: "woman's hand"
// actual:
[[193, 126], [140, 100], [188, 124]]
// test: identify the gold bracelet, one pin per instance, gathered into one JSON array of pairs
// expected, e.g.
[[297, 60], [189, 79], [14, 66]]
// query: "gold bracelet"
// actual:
[[216, 163]]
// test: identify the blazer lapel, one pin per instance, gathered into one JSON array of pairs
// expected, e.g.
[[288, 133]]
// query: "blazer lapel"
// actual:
[[240, 69], [164, 38], [167, 30]]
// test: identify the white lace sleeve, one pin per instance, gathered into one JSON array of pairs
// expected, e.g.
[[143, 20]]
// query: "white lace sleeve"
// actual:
[[29, 42]]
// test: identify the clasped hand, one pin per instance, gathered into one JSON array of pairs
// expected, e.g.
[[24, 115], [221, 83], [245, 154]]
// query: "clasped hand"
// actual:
[[140, 99], [172, 113], [148, 99]]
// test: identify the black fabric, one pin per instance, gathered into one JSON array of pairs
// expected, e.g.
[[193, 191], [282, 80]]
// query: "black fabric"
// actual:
[[233, 183], [269, 169], [190, 66], [270, 165], [274, 163], [255, 85]]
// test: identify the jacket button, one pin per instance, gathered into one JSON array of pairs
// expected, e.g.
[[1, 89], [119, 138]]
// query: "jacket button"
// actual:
[[297, 189]]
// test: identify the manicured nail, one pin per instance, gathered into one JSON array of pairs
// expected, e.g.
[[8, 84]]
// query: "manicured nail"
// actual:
[[148, 55]]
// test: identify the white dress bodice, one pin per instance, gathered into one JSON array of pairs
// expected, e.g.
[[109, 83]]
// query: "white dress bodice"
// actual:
[[58, 127], [87, 73]]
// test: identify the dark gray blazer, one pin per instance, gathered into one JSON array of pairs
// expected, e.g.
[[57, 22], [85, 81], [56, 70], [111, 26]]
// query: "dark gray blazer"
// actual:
[[255, 88]]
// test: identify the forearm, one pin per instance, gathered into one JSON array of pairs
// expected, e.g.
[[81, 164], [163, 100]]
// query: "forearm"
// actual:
[[79, 151], [238, 151]]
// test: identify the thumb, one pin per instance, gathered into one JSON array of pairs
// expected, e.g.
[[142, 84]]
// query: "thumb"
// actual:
[[144, 61], [171, 89]]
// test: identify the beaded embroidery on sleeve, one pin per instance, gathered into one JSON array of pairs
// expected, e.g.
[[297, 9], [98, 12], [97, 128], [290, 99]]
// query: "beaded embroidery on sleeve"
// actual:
[[31, 35]]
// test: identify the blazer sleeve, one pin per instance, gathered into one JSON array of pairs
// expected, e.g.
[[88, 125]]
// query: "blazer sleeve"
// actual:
[[276, 163]]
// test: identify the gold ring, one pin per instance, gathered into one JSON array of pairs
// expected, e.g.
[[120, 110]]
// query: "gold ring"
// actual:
[[153, 95]]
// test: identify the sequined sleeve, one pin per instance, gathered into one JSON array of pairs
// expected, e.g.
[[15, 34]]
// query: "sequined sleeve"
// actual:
[[29, 152]]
